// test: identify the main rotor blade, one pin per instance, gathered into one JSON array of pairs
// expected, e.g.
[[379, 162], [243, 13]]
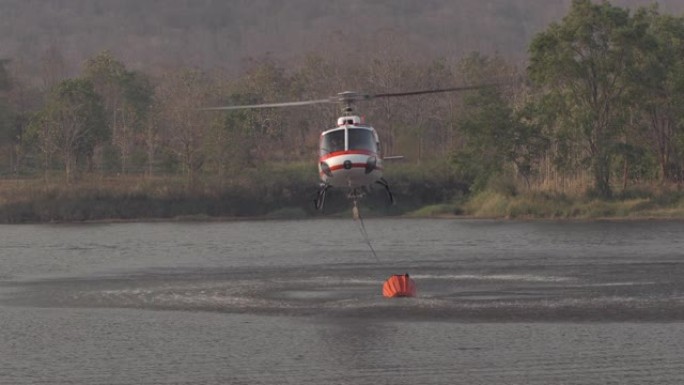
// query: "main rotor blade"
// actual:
[[270, 105], [435, 91], [348, 97]]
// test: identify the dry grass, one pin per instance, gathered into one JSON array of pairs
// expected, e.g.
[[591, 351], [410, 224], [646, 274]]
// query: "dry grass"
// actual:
[[659, 204]]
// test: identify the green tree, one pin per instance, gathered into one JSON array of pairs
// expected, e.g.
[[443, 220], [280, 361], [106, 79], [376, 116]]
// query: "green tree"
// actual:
[[658, 89], [584, 64], [71, 124], [495, 138], [106, 74], [126, 95], [138, 93], [184, 125], [270, 129]]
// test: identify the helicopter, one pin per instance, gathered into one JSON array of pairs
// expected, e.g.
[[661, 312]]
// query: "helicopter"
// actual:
[[350, 153]]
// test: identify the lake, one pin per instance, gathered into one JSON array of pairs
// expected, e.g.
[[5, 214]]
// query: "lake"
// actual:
[[300, 302]]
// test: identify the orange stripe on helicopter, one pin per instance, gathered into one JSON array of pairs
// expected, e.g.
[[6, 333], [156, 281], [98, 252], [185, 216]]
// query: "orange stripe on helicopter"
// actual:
[[350, 152]]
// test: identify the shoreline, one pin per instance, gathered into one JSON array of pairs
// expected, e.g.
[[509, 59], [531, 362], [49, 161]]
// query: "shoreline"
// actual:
[[446, 217], [112, 202]]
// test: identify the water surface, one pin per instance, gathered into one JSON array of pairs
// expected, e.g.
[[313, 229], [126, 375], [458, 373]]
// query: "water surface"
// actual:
[[300, 302]]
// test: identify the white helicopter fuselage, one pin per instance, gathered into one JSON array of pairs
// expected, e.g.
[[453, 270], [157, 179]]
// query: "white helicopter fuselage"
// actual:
[[350, 155]]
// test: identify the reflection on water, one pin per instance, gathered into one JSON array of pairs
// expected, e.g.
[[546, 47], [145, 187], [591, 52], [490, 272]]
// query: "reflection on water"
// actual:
[[300, 302]]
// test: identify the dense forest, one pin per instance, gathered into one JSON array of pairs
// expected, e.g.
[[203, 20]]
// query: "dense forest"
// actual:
[[595, 111], [155, 35]]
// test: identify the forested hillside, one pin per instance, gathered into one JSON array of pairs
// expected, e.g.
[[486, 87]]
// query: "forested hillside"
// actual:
[[152, 35], [593, 109]]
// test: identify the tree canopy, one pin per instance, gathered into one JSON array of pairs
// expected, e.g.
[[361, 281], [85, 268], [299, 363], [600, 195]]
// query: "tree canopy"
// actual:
[[600, 102]]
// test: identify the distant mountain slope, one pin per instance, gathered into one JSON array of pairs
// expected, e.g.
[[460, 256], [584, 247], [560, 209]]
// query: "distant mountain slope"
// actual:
[[207, 33]]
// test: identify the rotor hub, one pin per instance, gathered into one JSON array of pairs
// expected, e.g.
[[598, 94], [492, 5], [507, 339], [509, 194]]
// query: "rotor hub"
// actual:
[[347, 99]]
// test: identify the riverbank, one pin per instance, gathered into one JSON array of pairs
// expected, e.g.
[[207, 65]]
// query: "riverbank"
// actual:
[[289, 195], [88, 205], [270, 191], [536, 205]]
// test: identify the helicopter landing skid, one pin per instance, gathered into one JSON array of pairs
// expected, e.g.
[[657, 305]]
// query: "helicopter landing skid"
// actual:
[[319, 202], [390, 196]]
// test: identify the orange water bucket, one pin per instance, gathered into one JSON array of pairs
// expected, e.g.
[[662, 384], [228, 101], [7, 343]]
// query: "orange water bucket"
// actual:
[[399, 286]]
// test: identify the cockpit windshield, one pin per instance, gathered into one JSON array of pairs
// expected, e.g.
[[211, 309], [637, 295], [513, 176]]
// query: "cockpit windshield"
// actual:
[[362, 139], [332, 141], [357, 139]]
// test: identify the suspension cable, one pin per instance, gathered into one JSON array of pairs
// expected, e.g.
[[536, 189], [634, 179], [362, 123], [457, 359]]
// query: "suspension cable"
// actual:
[[362, 228]]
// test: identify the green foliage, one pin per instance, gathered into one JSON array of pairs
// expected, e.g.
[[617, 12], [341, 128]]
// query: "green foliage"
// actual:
[[104, 71], [494, 139], [559, 206], [127, 98], [606, 103], [138, 93], [584, 64], [437, 210], [416, 185], [488, 204], [71, 124], [658, 86]]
